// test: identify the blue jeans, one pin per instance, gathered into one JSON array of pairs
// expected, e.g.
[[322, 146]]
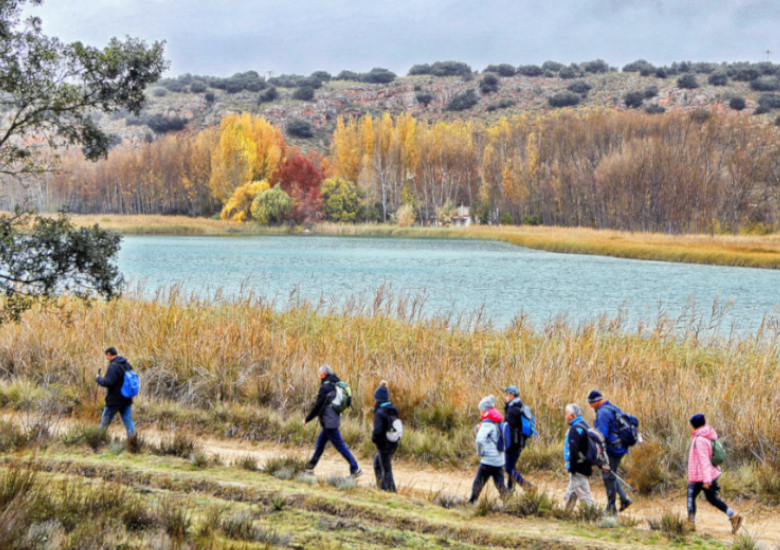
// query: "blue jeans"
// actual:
[[127, 417], [510, 466], [334, 436]]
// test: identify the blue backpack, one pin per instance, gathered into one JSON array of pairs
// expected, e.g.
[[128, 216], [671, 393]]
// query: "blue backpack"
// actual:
[[528, 422], [502, 429], [130, 385]]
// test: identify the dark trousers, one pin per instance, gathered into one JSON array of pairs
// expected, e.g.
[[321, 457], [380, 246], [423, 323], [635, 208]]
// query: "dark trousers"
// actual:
[[334, 436], [383, 469], [711, 494], [510, 467], [612, 485], [484, 473], [125, 412]]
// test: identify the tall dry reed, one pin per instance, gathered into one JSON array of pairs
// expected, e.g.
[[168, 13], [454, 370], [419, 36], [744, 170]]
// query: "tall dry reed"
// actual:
[[208, 354]]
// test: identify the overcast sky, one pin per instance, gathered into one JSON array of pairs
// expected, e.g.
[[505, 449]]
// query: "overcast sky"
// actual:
[[220, 37]]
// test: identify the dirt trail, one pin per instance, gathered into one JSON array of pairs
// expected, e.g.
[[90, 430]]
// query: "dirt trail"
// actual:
[[420, 480]]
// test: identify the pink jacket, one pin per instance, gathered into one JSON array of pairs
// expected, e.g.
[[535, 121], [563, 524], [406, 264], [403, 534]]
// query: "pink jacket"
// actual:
[[700, 468]]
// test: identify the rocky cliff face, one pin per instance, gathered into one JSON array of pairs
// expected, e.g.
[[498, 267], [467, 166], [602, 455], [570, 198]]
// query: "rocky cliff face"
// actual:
[[352, 98]]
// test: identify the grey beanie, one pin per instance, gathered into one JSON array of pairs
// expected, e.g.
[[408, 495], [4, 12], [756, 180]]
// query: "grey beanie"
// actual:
[[487, 403]]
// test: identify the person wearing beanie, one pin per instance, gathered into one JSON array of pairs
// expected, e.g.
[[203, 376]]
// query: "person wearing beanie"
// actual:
[[515, 443], [606, 423], [330, 420], [385, 414], [491, 459], [703, 475]]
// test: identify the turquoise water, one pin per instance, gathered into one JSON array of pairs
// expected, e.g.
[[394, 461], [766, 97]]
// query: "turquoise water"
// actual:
[[454, 276]]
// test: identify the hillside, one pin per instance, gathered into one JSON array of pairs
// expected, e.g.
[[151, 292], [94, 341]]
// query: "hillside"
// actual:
[[172, 104]]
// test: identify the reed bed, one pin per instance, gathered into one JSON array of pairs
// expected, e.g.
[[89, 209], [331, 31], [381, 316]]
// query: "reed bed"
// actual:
[[246, 367]]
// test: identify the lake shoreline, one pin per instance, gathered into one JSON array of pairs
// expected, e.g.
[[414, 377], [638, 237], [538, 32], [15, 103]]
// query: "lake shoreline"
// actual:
[[724, 250]]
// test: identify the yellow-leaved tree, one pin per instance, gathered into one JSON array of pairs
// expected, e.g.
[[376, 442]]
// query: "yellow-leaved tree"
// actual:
[[238, 208], [249, 150]]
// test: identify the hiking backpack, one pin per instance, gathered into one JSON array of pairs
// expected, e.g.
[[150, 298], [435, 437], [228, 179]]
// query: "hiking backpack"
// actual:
[[718, 453], [396, 431], [131, 384], [625, 427], [596, 454], [343, 399], [528, 422]]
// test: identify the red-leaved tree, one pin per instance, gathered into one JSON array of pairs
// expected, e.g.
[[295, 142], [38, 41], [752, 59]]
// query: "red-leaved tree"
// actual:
[[301, 176]]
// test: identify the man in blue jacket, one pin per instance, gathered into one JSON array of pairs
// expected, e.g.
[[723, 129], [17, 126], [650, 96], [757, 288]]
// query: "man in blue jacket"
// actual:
[[606, 424], [115, 401]]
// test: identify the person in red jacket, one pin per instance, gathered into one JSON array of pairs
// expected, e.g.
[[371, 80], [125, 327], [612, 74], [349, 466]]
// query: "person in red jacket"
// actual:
[[703, 475]]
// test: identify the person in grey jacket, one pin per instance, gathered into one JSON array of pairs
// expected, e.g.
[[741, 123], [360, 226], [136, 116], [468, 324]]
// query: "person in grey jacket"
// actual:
[[330, 420], [491, 459]]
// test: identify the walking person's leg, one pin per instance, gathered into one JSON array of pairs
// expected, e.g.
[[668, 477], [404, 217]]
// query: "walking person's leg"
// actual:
[[511, 470], [108, 416], [693, 493], [713, 497], [127, 419], [335, 437], [614, 465], [319, 448], [385, 458], [497, 473], [479, 483], [378, 470], [610, 484]]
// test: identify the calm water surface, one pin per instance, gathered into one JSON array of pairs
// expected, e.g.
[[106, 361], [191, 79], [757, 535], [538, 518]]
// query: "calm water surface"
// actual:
[[454, 276]]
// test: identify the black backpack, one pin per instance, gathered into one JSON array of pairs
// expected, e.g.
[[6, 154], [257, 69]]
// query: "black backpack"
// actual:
[[596, 454], [626, 427]]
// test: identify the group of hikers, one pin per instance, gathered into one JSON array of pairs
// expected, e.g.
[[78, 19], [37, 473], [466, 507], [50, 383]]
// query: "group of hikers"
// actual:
[[500, 439]]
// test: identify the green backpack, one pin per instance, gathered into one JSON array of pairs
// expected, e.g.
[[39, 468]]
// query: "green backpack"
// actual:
[[343, 399], [718, 453]]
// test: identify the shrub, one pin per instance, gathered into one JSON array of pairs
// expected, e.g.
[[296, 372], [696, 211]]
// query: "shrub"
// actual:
[[450, 68], [342, 200], [424, 98], [248, 463], [238, 208], [688, 82], [301, 128], [552, 66], [595, 66], [405, 216], [268, 95], [530, 70], [322, 76], [718, 78], [564, 99], [239, 526], [634, 99], [655, 109], [304, 93], [347, 75], [650, 91], [579, 87], [747, 74], [175, 519], [271, 206], [647, 468], [341, 483], [198, 87], [181, 445], [568, 73], [768, 481], [378, 75], [159, 92], [639, 66], [504, 69], [745, 542], [768, 102], [162, 125], [502, 104], [420, 69], [489, 84], [446, 500], [210, 97], [287, 81], [199, 459], [661, 72], [506, 219], [532, 502], [737, 103], [462, 101], [535, 219], [765, 84], [672, 525]]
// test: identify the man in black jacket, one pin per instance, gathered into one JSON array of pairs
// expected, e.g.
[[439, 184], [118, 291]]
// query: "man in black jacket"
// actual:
[[330, 420], [115, 401], [516, 442], [575, 453], [384, 415]]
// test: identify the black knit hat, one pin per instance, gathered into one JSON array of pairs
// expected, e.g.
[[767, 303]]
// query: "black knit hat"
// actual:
[[698, 420], [595, 396]]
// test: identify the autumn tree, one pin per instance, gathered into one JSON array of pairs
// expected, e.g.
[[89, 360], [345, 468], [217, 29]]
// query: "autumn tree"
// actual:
[[342, 200]]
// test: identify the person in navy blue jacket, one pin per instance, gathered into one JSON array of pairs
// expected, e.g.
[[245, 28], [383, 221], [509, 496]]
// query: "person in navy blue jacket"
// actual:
[[605, 423], [115, 401]]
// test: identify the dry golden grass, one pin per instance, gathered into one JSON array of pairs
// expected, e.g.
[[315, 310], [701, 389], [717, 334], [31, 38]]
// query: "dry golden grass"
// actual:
[[739, 250], [204, 357]]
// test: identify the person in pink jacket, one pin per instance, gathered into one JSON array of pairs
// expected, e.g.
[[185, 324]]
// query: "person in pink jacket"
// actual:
[[703, 476]]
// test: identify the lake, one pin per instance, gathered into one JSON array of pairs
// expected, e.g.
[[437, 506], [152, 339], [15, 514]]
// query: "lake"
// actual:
[[454, 276]]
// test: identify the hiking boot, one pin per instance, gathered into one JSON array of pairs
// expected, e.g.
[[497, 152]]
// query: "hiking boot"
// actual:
[[624, 504], [356, 474], [691, 524], [736, 523], [610, 512], [309, 468]]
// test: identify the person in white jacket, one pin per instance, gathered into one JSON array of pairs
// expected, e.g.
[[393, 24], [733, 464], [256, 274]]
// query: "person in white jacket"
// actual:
[[491, 459]]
